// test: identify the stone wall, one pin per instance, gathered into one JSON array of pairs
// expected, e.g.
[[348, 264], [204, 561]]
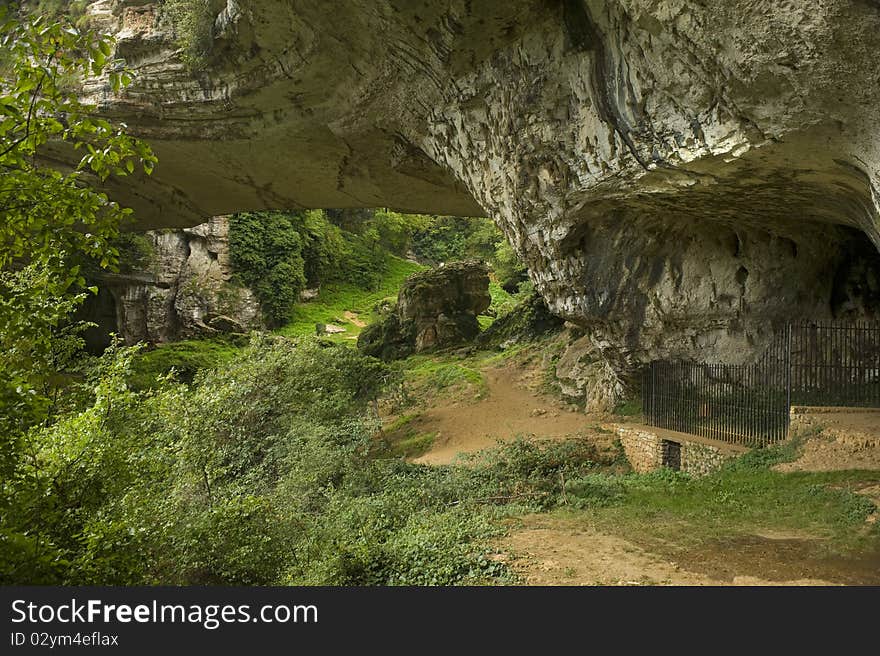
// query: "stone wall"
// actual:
[[701, 459], [645, 449], [642, 448]]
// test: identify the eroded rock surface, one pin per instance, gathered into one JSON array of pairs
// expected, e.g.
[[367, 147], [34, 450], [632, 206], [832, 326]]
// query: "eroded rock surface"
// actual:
[[437, 308], [678, 175], [186, 290]]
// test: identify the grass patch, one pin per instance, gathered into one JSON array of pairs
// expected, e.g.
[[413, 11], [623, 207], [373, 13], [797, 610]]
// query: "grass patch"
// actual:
[[401, 423], [335, 299], [520, 352], [439, 375], [186, 358], [412, 447], [502, 301], [403, 440], [743, 497]]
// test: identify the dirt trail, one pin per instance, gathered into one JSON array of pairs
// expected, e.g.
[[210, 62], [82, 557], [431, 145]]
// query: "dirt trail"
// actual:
[[511, 408]]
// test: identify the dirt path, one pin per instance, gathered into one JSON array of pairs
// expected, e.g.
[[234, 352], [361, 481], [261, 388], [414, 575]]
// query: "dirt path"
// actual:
[[549, 550], [511, 408], [560, 549]]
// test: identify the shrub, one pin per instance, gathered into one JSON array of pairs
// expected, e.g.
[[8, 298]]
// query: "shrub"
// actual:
[[266, 250], [278, 254], [265, 470], [193, 23]]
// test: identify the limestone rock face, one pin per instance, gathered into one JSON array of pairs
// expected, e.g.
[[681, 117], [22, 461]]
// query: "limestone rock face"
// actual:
[[585, 376], [437, 308], [187, 290], [678, 175]]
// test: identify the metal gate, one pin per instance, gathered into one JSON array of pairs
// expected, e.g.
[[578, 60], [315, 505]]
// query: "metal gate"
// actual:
[[811, 363]]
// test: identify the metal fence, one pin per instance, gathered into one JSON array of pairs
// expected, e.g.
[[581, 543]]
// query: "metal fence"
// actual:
[[835, 364], [817, 363]]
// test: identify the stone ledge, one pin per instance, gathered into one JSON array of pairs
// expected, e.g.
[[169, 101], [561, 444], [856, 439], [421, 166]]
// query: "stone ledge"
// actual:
[[647, 448], [829, 409]]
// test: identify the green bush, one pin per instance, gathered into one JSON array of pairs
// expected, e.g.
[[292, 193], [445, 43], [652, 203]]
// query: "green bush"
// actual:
[[193, 23], [394, 231], [279, 254], [266, 470], [453, 238], [185, 359], [266, 250], [508, 268]]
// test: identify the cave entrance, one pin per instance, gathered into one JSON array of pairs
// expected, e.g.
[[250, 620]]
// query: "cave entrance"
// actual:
[[99, 309]]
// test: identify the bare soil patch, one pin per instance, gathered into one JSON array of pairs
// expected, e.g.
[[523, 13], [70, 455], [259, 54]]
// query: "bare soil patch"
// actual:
[[354, 319], [848, 440], [510, 409], [552, 550]]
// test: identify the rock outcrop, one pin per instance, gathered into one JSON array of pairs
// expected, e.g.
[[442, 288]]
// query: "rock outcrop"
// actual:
[[679, 176], [186, 290], [586, 377], [527, 321], [435, 309]]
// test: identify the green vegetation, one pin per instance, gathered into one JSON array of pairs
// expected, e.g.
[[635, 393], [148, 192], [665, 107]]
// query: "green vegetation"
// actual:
[[185, 359], [136, 251], [411, 445], [73, 11], [279, 254], [267, 252], [51, 223], [522, 317], [265, 470], [271, 469], [404, 439], [632, 407], [438, 374], [508, 268], [193, 23], [451, 238], [746, 496], [338, 297], [502, 301], [356, 259]]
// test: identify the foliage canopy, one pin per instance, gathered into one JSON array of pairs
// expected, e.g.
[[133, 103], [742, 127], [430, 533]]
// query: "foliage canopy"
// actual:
[[50, 218]]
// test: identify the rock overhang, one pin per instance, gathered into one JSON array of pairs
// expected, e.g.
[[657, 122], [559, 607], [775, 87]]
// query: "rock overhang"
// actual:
[[638, 155]]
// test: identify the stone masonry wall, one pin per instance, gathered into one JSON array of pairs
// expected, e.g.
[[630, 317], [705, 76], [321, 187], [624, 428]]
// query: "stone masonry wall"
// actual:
[[644, 450]]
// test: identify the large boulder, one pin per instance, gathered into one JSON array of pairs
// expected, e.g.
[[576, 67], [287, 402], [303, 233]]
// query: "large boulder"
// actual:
[[435, 309]]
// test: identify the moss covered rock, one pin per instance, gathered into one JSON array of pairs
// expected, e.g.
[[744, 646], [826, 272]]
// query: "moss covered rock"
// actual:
[[435, 309], [528, 320]]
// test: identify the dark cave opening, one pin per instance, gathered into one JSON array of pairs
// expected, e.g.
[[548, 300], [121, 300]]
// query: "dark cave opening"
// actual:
[[99, 309], [855, 291]]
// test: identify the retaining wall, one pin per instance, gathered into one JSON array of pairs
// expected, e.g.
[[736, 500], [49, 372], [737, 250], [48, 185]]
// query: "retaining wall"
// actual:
[[648, 449]]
